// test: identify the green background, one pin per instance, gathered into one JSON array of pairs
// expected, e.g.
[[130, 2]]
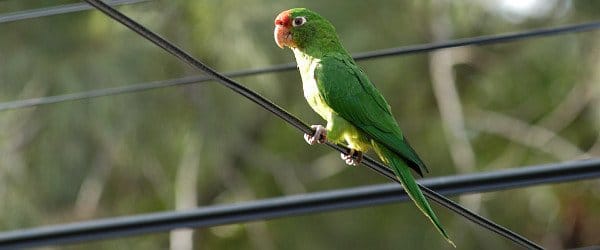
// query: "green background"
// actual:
[[470, 109]]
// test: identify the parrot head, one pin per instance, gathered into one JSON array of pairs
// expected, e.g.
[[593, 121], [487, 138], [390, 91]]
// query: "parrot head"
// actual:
[[304, 29]]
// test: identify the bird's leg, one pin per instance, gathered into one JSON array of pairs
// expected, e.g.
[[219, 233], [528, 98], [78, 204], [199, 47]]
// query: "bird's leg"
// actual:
[[320, 135], [353, 158]]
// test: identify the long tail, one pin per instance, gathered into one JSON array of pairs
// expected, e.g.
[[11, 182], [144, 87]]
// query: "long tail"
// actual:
[[402, 171]]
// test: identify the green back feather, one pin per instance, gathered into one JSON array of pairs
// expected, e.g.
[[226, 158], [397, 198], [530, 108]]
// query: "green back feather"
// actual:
[[348, 91]]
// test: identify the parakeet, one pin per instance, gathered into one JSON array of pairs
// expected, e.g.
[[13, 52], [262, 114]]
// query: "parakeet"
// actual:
[[338, 90]]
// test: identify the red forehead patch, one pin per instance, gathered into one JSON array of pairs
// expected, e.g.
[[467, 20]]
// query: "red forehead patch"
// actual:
[[284, 18]]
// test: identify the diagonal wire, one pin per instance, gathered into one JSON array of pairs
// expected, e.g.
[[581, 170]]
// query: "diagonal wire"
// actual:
[[57, 10], [294, 121], [295, 205], [405, 50]]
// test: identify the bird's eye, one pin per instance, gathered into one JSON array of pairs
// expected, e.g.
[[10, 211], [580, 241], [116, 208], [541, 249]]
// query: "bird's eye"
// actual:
[[299, 21]]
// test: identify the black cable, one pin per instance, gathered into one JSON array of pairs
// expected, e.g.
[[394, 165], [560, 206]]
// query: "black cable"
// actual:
[[57, 10], [480, 40], [292, 120], [483, 40], [296, 205]]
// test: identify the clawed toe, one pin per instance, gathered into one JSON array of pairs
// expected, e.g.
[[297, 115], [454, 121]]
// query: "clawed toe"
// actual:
[[353, 158], [320, 135]]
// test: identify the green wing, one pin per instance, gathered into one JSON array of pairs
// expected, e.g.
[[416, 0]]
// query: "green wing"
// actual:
[[348, 91]]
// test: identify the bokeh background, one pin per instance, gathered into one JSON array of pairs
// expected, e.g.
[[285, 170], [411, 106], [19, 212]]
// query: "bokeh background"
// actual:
[[465, 110]]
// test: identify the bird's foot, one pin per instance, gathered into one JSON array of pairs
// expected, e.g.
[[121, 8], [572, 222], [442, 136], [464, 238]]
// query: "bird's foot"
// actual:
[[353, 158], [320, 135]]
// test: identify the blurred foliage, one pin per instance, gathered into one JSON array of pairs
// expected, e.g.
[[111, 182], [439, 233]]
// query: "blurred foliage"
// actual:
[[132, 154]]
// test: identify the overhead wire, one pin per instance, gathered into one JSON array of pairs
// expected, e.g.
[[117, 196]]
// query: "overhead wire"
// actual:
[[57, 10], [397, 51], [295, 205], [294, 121]]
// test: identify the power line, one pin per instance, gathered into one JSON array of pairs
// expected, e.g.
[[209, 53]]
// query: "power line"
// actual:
[[485, 40], [57, 10], [404, 50], [296, 205], [294, 121]]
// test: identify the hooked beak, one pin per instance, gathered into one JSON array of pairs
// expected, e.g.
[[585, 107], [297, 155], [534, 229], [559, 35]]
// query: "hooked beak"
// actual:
[[282, 33]]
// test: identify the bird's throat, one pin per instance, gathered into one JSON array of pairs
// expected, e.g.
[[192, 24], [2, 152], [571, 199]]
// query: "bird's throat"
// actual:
[[302, 59]]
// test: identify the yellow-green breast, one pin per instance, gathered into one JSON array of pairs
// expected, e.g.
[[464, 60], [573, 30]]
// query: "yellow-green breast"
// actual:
[[306, 66]]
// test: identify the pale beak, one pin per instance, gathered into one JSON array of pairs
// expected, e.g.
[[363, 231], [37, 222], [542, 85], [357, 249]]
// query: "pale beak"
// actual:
[[281, 33], [282, 36]]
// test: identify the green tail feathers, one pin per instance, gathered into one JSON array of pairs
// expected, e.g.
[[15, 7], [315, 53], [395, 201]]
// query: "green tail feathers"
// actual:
[[402, 171]]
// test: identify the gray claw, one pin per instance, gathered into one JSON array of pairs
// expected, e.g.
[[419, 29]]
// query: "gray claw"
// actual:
[[353, 158], [320, 135]]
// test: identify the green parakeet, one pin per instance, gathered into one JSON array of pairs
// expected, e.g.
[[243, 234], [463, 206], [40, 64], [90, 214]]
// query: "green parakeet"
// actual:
[[339, 91]]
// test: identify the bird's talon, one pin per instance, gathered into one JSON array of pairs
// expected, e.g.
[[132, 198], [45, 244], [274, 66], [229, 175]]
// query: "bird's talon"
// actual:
[[320, 135], [353, 158], [322, 139], [358, 156]]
